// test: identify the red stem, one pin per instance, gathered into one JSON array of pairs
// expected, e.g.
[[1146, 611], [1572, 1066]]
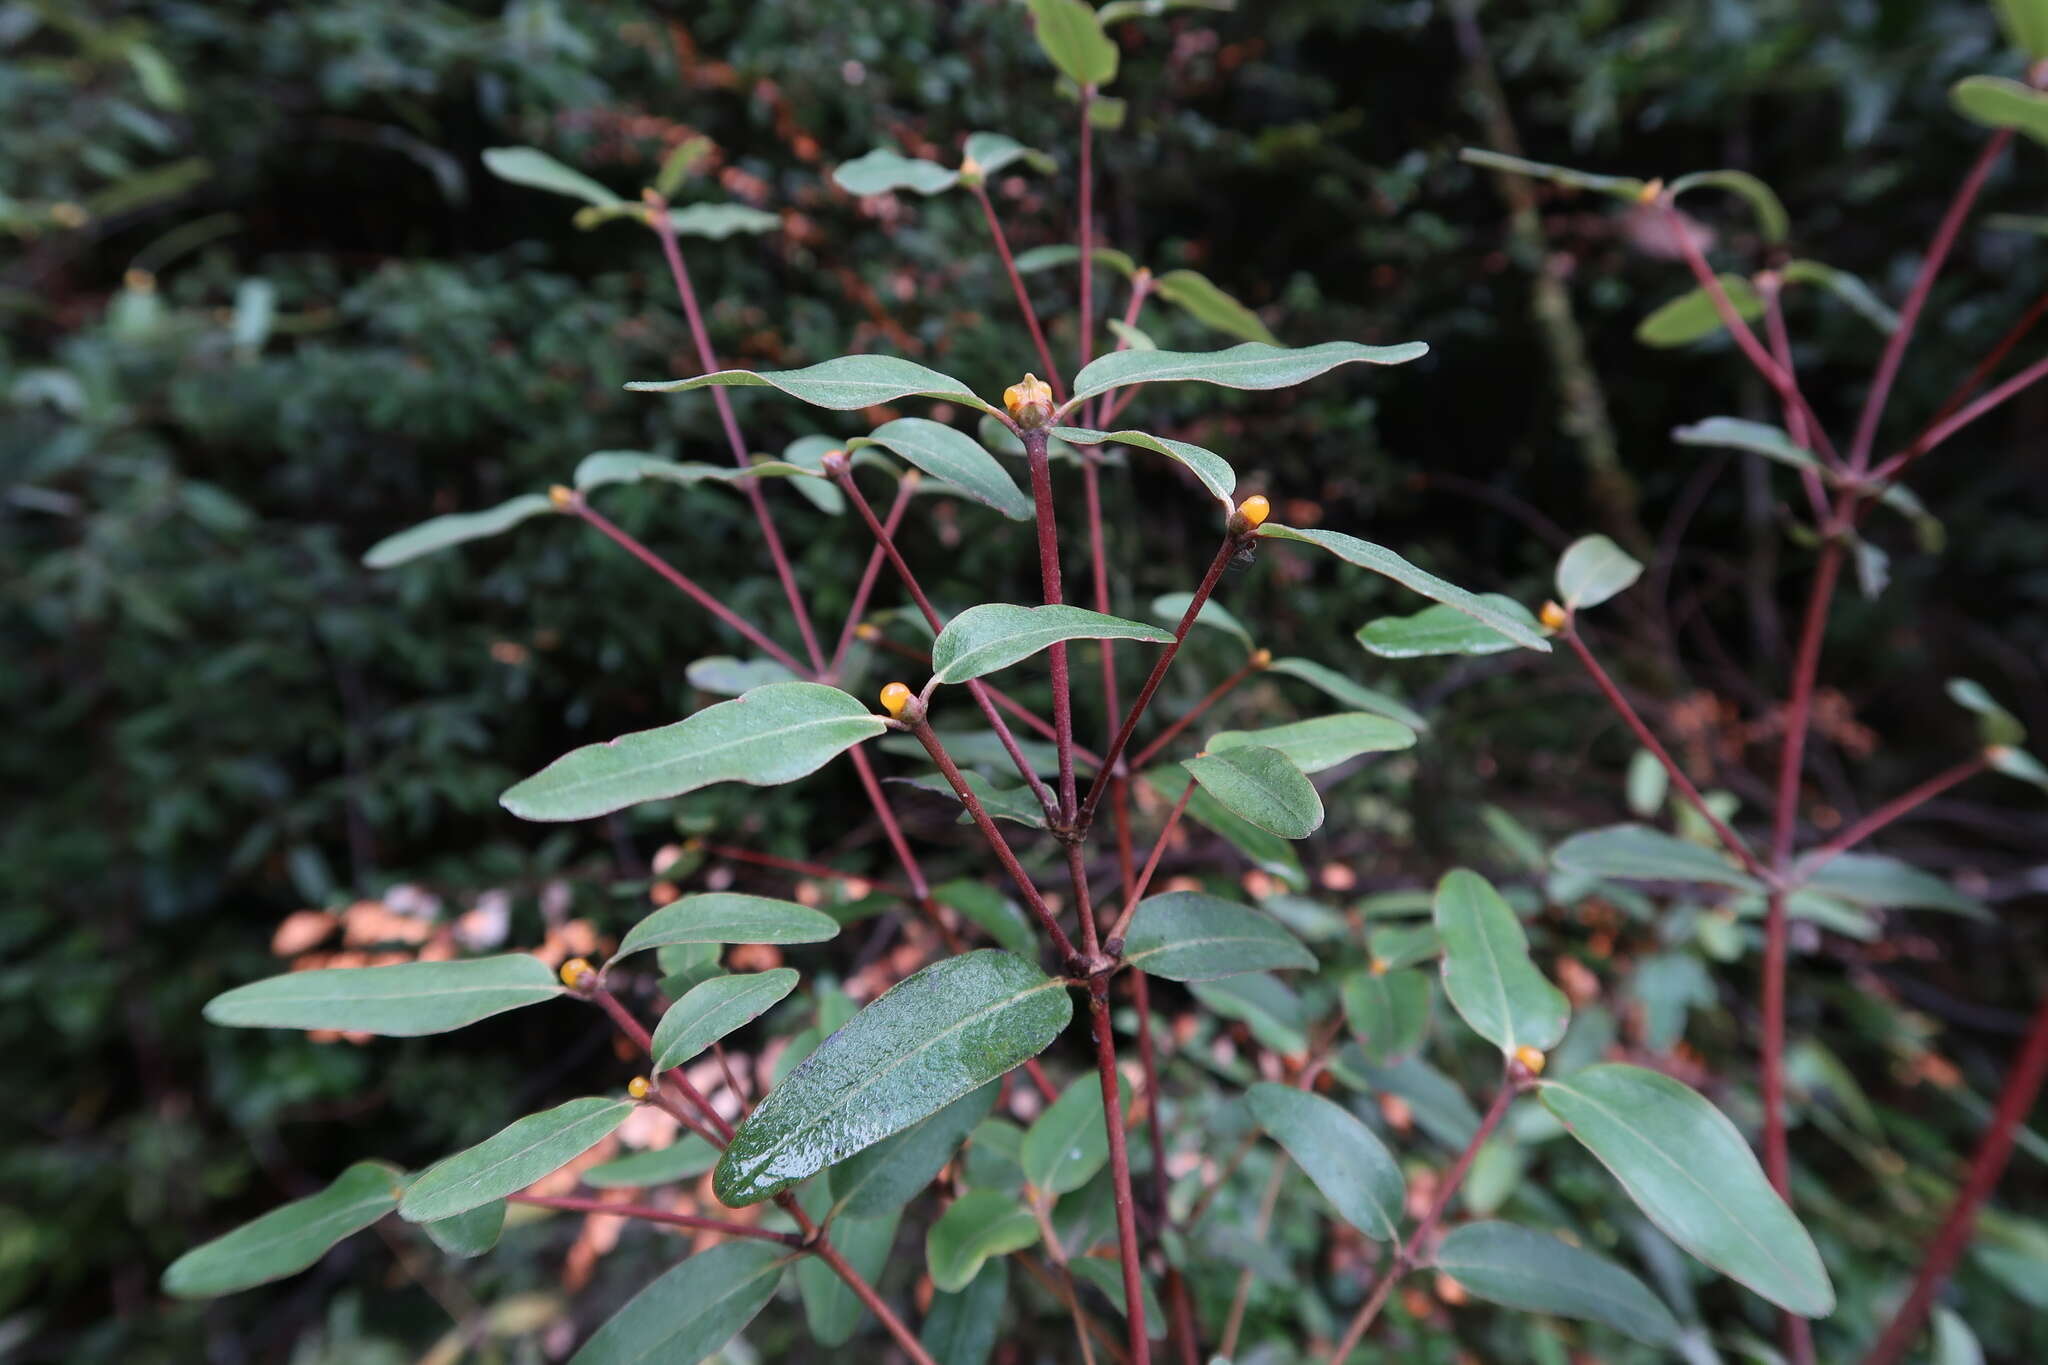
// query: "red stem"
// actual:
[[637, 1031], [1795, 419], [995, 231], [2012, 338], [1193, 713], [1954, 423], [1900, 805], [865, 1292], [1049, 578], [905, 488], [1137, 891], [579, 1204], [1120, 1170]]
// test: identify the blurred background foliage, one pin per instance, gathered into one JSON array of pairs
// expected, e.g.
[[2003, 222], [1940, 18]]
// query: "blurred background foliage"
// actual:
[[263, 306]]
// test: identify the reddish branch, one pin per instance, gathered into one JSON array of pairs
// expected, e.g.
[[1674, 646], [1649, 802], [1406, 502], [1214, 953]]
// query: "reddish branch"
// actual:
[[995, 231], [579, 1204], [1903, 804]]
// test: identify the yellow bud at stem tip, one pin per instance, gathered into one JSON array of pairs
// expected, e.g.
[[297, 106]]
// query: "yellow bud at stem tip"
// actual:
[[1530, 1058], [574, 970], [895, 697], [638, 1087], [1255, 509]]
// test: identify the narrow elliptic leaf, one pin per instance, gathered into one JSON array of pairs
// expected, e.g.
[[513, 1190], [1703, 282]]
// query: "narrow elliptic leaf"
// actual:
[[953, 456], [2026, 23], [1326, 741], [1351, 1166], [727, 917], [1190, 936], [712, 1009], [1443, 630], [1067, 1144], [995, 152], [1046, 257], [976, 1226], [287, 1240], [1383, 561], [2018, 763], [1639, 853], [1692, 315], [1998, 102], [1108, 1276], [1388, 1012], [1995, 724], [1337, 687], [1001, 918], [1690, 1170], [1881, 881], [516, 1156], [1194, 294], [1072, 36], [962, 1328], [1270, 853], [1771, 219], [832, 1310], [1954, 1342], [535, 169], [916, 1048], [845, 384], [1761, 438], [405, 1000], [693, 1309], [471, 1233], [1212, 469], [604, 467], [1593, 569], [770, 735], [454, 529], [884, 171], [1394, 946], [728, 677], [688, 1157], [1534, 1272], [1253, 365], [995, 635], [1263, 1003], [720, 221], [1169, 608], [1134, 337], [1849, 288], [1262, 786], [1618, 186], [888, 1175], [1488, 974], [1001, 803]]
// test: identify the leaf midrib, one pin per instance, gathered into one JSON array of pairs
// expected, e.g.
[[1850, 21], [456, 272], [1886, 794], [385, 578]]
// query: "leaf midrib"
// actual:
[[556, 1134], [560, 788]]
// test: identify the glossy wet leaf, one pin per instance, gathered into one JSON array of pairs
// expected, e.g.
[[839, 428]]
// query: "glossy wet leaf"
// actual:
[[1616, 186], [1067, 1144], [1108, 1276], [975, 1227], [1443, 630], [888, 1175], [404, 1000], [995, 635], [2000, 102], [1197, 296], [1689, 1169], [535, 169], [925, 1042], [1212, 469], [715, 1008], [1771, 219], [1594, 569], [687, 1157], [844, 384], [1347, 1162], [1638, 852], [1693, 316], [1324, 742], [952, 456], [1339, 688], [471, 1233], [1252, 365], [1995, 724], [1881, 881], [603, 468], [1388, 1012], [885, 170], [770, 735], [1192, 936], [1534, 1272], [287, 1239], [728, 676], [962, 1327], [513, 1158], [832, 1310], [727, 917], [455, 529], [692, 1310], [1262, 786], [1488, 974], [1385, 562], [1071, 35]]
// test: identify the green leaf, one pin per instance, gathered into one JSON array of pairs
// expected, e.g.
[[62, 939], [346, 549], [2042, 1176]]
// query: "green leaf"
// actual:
[[1262, 1002], [513, 1158], [1637, 852], [1534, 1272], [2019, 764], [961, 1329], [916, 1048], [1995, 724], [1488, 974], [604, 467], [715, 1008], [2026, 23], [1847, 287], [1618, 186], [727, 917], [686, 1158], [1648, 784], [1190, 936], [888, 1175], [1117, 11], [720, 221], [693, 1309], [1773, 443], [1268, 852], [1210, 306], [833, 1311], [1881, 881], [1954, 1342], [1692, 316], [991, 911], [975, 1227], [1443, 630], [1252, 365], [1315, 745], [772, 734], [1395, 946], [1336, 686], [1008, 803], [1771, 218], [1108, 1276], [1071, 35], [1134, 337], [845, 384], [995, 152], [1385, 562], [1212, 469], [883, 171], [995, 635], [405, 1000], [1262, 786], [535, 169], [287, 1240], [728, 677], [469, 1234], [1692, 1173], [454, 529], [1594, 569], [953, 456], [1067, 1144], [1997, 102], [1346, 1161], [1046, 257], [1169, 607], [1388, 1012]]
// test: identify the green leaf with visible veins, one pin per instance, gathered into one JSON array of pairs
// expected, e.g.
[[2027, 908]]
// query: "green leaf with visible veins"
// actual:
[[953, 456], [1212, 469], [1488, 973], [845, 384], [1323, 742], [1252, 365], [888, 1175], [692, 1310], [1351, 1166], [1262, 786], [1534, 1272], [995, 635], [288, 1239], [404, 1000], [1190, 936], [513, 1158], [1640, 853], [1067, 1144], [727, 917]]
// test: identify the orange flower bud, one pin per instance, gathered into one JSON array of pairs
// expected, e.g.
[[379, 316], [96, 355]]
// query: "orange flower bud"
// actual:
[[895, 697], [1029, 401], [1531, 1059], [1650, 193], [1262, 658], [639, 1088], [574, 971], [1255, 509], [562, 496], [1553, 616], [971, 173]]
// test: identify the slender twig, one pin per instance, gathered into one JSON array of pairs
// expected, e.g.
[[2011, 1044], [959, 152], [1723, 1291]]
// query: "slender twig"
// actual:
[[1137, 891], [865, 1292], [1036, 1201], [1240, 1299], [1771, 288], [1962, 417], [1192, 714], [580, 1204], [1903, 804], [1049, 1282], [995, 231], [2013, 337], [1119, 1171], [635, 1030], [906, 487], [1049, 579], [2015, 1102]]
